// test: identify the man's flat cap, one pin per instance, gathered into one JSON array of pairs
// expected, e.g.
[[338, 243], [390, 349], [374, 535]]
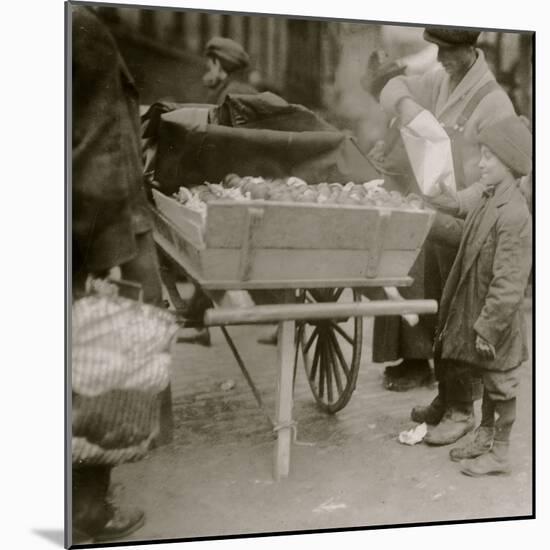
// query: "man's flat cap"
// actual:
[[451, 37]]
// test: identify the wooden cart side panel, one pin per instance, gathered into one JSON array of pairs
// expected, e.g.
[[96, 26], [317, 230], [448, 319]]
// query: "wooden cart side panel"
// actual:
[[182, 251], [298, 226], [307, 265], [188, 221]]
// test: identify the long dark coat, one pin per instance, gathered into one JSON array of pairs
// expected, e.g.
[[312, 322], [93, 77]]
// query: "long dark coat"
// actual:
[[108, 201], [393, 338], [486, 285]]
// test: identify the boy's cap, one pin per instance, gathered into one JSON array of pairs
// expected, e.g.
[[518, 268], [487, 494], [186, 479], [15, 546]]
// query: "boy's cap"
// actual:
[[230, 53], [512, 142], [451, 37]]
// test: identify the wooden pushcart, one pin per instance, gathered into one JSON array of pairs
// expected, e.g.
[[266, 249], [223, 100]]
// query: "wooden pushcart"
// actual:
[[296, 261]]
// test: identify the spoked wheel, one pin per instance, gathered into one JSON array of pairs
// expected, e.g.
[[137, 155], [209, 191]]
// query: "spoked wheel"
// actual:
[[331, 351]]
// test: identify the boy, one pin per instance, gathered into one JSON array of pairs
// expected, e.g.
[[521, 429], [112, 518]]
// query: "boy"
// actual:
[[480, 320]]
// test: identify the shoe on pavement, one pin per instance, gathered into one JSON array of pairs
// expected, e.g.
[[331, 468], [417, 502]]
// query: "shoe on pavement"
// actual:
[[406, 366], [454, 425], [409, 374], [194, 336], [480, 444], [395, 371], [123, 523], [431, 414], [495, 462]]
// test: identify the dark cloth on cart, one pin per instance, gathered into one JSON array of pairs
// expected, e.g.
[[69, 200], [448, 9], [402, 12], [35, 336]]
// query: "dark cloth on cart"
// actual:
[[262, 110], [485, 288], [269, 112], [191, 153], [150, 119]]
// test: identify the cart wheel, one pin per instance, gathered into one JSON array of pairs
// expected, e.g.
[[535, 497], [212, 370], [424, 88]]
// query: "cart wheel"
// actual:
[[331, 351]]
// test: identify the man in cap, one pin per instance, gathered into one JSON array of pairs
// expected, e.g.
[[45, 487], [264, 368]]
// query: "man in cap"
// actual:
[[480, 317], [464, 96], [227, 63]]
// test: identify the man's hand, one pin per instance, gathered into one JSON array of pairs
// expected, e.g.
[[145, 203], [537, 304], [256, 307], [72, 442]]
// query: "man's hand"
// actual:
[[376, 154], [485, 349], [407, 109]]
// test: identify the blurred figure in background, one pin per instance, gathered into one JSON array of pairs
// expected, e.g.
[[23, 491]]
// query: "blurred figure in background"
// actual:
[[227, 64]]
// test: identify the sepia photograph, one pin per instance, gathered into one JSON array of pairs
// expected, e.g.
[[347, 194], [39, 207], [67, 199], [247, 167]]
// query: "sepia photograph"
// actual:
[[300, 275]]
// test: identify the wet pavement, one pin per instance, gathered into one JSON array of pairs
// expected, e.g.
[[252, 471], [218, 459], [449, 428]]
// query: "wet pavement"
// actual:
[[347, 470]]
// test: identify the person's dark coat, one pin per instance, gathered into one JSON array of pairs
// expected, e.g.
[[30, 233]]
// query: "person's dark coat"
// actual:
[[108, 202], [111, 224], [487, 282], [233, 84], [393, 338]]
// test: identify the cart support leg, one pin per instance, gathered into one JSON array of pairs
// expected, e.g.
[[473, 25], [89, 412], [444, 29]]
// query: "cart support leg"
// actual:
[[283, 415]]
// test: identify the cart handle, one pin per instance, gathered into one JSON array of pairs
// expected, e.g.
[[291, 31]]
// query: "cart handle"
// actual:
[[306, 312]]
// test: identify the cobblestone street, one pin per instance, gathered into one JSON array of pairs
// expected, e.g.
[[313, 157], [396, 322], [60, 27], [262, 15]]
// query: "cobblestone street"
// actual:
[[347, 470]]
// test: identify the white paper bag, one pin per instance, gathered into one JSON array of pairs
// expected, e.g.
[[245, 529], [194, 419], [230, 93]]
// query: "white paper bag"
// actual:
[[429, 149]]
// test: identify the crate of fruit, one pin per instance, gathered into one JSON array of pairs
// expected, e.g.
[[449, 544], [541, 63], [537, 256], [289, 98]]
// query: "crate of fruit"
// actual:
[[255, 233]]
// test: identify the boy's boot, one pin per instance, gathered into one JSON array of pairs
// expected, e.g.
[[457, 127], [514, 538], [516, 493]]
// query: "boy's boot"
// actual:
[[457, 421], [480, 444], [432, 413], [495, 461], [484, 435]]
